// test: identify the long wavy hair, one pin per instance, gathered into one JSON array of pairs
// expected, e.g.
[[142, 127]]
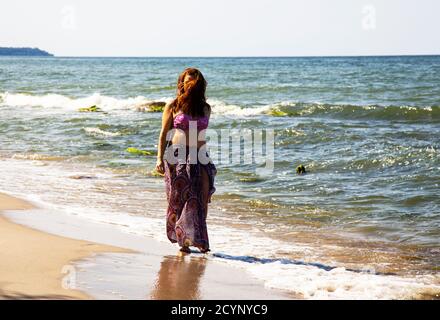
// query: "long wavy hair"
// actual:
[[191, 97]]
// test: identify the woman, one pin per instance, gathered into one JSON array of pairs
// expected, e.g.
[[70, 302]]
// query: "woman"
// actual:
[[189, 181]]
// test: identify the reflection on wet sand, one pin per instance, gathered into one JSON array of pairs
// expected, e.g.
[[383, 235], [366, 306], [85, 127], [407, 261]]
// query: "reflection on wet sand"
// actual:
[[179, 278]]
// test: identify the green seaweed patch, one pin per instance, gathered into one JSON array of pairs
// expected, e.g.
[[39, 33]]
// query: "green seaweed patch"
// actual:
[[140, 152], [104, 126], [90, 109], [251, 179], [277, 113], [155, 108]]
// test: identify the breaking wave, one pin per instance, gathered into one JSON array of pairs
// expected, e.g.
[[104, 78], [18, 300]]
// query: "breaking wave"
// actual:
[[282, 109]]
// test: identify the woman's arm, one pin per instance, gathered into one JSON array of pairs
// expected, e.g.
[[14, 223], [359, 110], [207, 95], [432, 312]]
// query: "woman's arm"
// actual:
[[207, 111], [167, 119]]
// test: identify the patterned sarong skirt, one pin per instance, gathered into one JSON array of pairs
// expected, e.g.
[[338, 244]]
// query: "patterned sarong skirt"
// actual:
[[187, 207]]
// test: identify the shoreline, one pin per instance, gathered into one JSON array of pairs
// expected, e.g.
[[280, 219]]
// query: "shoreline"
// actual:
[[24, 274], [106, 264], [88, 213]]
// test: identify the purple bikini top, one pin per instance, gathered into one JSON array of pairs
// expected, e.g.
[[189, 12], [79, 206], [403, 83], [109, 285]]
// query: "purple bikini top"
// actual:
[[181, 121]]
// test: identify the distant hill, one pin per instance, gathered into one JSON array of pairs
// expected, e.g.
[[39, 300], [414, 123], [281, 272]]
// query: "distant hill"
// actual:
[[24, 52]]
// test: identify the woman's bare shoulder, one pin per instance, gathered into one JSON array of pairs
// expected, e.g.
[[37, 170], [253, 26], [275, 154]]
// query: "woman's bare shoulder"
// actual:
[[169, 107], [169, 104]]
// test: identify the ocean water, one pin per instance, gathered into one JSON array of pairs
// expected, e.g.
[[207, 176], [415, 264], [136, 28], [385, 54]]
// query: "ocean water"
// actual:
[[363, 222]]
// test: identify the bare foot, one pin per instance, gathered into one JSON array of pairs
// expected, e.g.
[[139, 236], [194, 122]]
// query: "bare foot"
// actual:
[[185, 249]]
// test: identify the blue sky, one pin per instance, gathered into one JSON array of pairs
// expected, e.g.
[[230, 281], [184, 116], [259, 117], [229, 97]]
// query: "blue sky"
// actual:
[[222, 28]]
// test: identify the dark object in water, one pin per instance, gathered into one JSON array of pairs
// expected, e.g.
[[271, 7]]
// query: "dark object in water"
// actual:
[[93, 108], [80, 177], [301, 169]]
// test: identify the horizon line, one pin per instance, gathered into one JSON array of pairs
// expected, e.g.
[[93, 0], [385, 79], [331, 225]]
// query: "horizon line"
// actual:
[[258, 56]]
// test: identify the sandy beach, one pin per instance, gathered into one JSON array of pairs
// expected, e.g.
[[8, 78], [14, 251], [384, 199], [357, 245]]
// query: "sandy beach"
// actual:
[[34, 263]]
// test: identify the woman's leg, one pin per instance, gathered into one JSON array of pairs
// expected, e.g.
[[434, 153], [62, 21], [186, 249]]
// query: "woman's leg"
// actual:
[[205, 196], [172, 215], [203, 189]]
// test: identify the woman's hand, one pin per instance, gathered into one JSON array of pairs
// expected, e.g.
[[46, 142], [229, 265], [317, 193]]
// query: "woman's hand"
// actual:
[[159, 166], [167, 122]]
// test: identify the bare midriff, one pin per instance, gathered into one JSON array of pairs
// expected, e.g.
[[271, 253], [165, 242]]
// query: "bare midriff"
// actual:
[[182, 137]]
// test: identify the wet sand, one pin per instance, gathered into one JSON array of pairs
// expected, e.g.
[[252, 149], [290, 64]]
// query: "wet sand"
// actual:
[[37, 247], [32, 262]]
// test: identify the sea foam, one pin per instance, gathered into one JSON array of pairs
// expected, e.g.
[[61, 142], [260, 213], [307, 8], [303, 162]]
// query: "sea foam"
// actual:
[[61, 103], [110, 200]]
